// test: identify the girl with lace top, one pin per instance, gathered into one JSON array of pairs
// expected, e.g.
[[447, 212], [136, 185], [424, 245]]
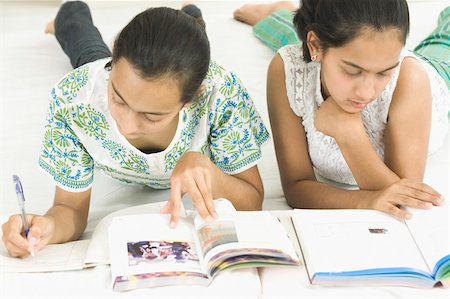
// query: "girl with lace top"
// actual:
[[350, 106], [158, 113]]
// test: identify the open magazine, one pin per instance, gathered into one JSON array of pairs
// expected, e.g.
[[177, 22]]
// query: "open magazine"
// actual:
[[74, 255], [371, 247], [146, 252]]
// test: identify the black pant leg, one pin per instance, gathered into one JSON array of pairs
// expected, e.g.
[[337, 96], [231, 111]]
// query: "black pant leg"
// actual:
[[77, 35]]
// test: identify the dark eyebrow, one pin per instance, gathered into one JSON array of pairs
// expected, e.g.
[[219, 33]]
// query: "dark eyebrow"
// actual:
[[363, 69], [118, 94], [115, 90]]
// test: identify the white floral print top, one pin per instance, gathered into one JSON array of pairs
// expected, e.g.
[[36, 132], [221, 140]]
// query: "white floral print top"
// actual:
[[81, 134]]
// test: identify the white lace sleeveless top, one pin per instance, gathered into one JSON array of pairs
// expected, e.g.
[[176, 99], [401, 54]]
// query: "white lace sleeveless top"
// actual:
[[304, 93]]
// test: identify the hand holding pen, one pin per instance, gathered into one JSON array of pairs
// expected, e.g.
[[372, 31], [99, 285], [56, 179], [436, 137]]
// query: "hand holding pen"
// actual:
[[21, 201], [25, 234], [17, 235]]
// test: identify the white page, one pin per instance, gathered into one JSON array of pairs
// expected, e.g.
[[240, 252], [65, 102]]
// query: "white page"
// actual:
[[98, 250], [430, 229], [125, 230], [285, 218], [264, 229], [53, 257], [340, 240]]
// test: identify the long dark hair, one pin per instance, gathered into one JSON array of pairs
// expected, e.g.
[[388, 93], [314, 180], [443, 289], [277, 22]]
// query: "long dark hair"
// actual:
[[166, 43], [337, 22]]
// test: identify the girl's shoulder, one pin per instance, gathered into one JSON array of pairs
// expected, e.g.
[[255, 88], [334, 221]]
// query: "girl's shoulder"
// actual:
[[222, 82], [215, 70], [415, 68], [292, 56], [218, 74], [298, 71], [412, 73], [301, 79], [80, 83]]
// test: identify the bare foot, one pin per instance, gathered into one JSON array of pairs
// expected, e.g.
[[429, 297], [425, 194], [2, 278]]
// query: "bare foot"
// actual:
[[253, 13], [50, 27]]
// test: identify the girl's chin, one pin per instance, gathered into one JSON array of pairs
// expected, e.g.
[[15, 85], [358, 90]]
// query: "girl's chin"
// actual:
[[132, 136], [128, 135], [357, 105]]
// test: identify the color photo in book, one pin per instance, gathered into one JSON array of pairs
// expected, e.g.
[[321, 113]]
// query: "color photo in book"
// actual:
[[161, 251], [216, 233]]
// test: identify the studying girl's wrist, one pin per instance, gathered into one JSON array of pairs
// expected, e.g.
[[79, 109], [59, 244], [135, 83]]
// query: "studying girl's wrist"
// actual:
[[366, 200]]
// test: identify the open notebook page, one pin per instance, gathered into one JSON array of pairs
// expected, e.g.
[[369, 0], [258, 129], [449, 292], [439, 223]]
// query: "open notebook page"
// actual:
[[56, 257]]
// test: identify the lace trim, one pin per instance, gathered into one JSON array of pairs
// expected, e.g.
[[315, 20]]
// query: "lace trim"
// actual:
[[291, 57]]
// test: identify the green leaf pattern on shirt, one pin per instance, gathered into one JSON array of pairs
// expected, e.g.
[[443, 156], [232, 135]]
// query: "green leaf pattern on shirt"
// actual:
[[126, 158], [196, 111], [236, 133], [236, 128], [62, 154], [72, 83], [93, 122]]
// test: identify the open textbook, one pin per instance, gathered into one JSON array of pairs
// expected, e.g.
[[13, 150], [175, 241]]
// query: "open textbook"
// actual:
[[74, 255], [371, 247], [146, 252]]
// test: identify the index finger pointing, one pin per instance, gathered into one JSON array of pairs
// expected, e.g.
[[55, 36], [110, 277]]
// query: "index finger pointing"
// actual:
[[175, 199]]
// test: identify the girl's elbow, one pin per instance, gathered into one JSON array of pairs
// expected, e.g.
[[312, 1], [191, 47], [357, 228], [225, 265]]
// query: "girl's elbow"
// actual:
[[293, 196], [258, 199]]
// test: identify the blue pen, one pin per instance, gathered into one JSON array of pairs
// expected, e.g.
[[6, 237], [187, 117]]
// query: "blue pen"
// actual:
[[21, 201]]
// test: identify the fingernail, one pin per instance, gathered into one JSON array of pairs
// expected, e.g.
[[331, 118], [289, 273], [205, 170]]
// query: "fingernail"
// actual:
[[31, 251], [441, 197], [208, 218], [428, 205], [172, 224], [439, 201], [215, 215], [33, 241], [408, 216]]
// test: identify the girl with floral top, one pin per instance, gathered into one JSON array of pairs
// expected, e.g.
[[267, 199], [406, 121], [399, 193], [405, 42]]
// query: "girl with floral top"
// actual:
[[349, 106], [158, 113]]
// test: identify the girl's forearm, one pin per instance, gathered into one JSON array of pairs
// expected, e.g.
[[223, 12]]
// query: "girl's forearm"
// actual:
[[244, 194], [311, 194], [69, 223], [368, 169]]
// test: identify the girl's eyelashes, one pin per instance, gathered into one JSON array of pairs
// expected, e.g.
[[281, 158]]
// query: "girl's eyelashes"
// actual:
[[358, 73], [352, 74], [384, 74], [117, 100], [150, 119]]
